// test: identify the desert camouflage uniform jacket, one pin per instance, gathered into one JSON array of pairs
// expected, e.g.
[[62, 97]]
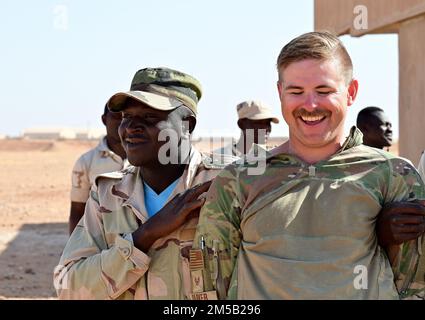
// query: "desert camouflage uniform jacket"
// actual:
[[300, 231], [89, 165], [100, 260]]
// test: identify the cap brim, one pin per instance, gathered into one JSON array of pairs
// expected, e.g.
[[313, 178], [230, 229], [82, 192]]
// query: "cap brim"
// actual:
[[264, 116], [118, 101]]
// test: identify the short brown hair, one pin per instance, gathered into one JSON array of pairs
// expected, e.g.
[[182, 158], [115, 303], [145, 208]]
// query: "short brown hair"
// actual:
[[315, 45]]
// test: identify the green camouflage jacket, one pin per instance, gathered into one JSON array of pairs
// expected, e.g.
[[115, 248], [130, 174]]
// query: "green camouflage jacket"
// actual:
[[302, 231], [100, 260]]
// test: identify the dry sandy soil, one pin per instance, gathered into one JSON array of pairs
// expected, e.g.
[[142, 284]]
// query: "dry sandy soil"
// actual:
[[34, 192], [35, 180]]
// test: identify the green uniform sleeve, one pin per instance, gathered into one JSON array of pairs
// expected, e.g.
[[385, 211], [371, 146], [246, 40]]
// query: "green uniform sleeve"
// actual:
[[409, 264], [219, 226], [94, 267]]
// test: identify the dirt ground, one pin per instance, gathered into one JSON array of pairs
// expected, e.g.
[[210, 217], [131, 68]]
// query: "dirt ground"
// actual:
[[34, 204]]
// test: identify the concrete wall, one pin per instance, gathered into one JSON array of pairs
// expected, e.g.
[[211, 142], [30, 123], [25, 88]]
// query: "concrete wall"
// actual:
[[407, 18], [333, 15], [384, 16], [412, 88]]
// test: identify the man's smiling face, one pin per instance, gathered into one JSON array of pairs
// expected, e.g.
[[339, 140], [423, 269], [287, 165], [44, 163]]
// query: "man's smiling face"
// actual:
[[139, 130], [314, 99]]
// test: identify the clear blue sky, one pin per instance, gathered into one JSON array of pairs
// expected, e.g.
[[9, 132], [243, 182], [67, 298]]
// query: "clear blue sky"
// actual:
[[58, 67]]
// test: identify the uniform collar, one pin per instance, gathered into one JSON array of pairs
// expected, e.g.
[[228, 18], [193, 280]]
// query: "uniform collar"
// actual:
[[103, 145], [354, 139], [105, 152]]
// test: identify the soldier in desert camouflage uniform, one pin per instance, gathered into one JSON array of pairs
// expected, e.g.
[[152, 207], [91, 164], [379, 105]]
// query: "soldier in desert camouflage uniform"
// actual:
[[305, 228], [107, 156], [122, 248], [255, 121]]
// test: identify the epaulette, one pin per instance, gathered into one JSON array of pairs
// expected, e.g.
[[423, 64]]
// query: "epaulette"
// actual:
[[116, 175], [217, 160], [354, 139]]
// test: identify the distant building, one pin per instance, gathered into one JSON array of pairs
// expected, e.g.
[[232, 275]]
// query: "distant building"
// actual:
[[63, 133], [90, 134]]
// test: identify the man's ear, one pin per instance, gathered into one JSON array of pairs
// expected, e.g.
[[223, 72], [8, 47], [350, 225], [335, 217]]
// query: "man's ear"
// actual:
[[352, 92], [279, 89], [104, 119]]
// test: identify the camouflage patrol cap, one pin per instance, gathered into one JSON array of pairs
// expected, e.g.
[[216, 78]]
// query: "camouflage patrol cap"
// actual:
[[160, 88]]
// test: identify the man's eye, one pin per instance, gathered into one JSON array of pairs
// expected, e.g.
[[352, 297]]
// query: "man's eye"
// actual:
[[297, 93], [324, 93], [151, 119]]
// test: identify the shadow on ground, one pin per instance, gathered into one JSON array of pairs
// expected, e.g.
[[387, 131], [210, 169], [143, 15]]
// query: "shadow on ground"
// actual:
[[27, 260]]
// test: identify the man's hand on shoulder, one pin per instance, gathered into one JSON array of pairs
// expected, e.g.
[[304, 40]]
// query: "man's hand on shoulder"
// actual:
[[399, 222], [174, 214]]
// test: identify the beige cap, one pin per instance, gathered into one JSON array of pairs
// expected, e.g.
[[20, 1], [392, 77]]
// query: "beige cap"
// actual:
[[255, 110]]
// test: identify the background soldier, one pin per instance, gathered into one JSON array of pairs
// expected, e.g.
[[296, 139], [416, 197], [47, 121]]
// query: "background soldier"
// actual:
[[255, 120], [376, 127], [107, 156]]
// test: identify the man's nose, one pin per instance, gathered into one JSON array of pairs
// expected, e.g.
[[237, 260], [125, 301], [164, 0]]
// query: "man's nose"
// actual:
[[310, 102], [133, 126]]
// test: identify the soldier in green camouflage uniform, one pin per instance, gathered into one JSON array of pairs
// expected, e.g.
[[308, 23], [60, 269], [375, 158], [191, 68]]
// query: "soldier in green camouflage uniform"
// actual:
[[305, 228], [119, 250]]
